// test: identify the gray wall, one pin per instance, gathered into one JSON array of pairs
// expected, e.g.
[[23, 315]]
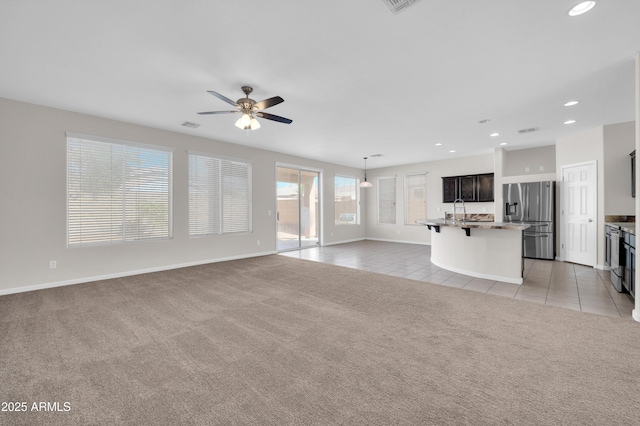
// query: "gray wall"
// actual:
[[609, 146], [33, 213], [531, 161], [435, 207], [33, 191]]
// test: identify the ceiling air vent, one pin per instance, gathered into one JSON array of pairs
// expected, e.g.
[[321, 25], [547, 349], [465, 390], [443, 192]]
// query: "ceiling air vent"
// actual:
[[529, 130], [397, 6], [190, 125]]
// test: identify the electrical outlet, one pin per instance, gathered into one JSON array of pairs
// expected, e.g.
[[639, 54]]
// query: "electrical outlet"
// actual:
[[53, 264], [258, 242], [542, 168]]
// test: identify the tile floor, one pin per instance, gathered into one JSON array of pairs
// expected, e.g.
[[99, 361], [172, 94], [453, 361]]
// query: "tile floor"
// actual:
[[561, 284]]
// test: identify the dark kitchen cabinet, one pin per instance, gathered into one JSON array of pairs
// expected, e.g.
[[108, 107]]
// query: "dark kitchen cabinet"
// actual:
[[485, 187], [449, 189], [470, 188]]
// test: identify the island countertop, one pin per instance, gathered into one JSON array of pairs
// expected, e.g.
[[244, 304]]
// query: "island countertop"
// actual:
[[514, 226]]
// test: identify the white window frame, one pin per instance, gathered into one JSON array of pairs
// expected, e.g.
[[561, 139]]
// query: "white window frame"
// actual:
[[408, 196], [117, 212], [223, 209], [356, 220]]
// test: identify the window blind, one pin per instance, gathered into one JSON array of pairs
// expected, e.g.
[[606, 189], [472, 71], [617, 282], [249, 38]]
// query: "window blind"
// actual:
[[220, 195], [415, 198], [117, 192], [387, 200]]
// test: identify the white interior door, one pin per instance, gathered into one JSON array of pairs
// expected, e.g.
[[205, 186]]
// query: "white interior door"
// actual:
[[579, 213]]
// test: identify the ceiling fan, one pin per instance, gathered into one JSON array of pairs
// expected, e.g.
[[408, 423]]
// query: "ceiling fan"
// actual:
[[248, 107]]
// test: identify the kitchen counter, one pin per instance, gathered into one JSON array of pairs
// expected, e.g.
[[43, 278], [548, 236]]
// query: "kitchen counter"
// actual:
[[474, 224], [489, 250], [629, 227]]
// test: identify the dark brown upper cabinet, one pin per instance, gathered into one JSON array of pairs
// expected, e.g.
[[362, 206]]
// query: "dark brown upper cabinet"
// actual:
[[470, 188]]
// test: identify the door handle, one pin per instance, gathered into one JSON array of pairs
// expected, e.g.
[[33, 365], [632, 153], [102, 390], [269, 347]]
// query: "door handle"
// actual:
[[590, 220], [278, 216]]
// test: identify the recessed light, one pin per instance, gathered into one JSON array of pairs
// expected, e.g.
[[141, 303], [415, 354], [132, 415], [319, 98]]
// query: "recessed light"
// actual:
[[453, 150], [494, 134], [439, 144], [582, 7], [569, 121], [572, 103], [503, 143]]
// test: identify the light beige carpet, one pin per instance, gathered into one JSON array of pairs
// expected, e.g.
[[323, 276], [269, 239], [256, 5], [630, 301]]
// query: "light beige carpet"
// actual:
[[282, 341]]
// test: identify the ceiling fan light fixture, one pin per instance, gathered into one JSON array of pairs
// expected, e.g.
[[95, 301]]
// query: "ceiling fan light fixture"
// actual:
[[247, 107], [246, 122]]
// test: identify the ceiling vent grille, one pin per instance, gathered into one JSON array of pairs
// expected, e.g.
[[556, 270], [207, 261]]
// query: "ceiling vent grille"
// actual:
[[397, 6], [529, 130], [190, 125]]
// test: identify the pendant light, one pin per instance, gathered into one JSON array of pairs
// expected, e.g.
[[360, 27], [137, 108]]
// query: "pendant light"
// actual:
[[365, 183]]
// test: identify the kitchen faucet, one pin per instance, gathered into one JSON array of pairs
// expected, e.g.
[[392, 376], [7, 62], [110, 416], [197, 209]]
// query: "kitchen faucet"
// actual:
[[464, 210]]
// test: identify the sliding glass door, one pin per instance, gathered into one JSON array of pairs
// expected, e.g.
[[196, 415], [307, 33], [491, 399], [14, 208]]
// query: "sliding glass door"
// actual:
[[298, 208]]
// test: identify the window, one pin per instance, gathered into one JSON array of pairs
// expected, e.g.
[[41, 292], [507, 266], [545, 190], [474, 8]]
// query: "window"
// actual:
[[117, 191], [219, 195], [387, 200], [346, 200], [415, 198]]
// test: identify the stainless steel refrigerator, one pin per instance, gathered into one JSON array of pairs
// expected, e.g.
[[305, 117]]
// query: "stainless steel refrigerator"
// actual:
[[533, 203]]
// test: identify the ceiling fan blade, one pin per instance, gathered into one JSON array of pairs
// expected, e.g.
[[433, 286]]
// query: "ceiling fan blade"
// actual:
[[218, 112], [268, 103], [274, 117], [222, 97]]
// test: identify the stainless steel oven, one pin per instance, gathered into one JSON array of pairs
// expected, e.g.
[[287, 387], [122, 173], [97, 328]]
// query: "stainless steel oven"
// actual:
[[617, 257], [607, 246]]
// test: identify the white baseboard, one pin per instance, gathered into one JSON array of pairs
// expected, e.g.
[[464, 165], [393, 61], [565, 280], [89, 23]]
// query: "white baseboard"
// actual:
[[344, 242], [397, 241], [635, 314], [478, 274], [43, 286]]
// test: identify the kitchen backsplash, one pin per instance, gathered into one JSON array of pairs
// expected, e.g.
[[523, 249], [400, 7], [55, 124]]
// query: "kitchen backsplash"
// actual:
[[614, 218], [484, 217]]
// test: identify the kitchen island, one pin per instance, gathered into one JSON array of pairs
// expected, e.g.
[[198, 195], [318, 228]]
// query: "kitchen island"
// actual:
[[490, 250]]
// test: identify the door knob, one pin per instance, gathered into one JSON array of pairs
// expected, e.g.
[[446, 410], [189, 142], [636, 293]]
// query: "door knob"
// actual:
[[590, 220]]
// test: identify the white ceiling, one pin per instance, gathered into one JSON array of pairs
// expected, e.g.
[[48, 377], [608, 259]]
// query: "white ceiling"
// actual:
[[357, 79]]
